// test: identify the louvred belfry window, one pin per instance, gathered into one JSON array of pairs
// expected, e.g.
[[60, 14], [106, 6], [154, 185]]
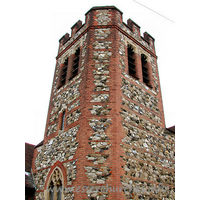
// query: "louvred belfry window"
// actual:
[[63, 73], [75, 63], [145, 72], [131, 62]]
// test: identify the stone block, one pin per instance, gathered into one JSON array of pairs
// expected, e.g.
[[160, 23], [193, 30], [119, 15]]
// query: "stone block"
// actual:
[[102, 33], [103, 17]]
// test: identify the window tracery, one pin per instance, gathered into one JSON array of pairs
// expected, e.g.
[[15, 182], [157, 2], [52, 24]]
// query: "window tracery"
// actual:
[[55, 188]]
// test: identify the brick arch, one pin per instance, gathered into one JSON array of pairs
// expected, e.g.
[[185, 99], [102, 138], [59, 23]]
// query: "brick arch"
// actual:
[[61, 167]]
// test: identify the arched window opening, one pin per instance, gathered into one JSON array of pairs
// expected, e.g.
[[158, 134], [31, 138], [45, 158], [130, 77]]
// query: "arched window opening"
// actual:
[[145, 72], [63, 121], [55, 188], [63, 73], [131, 61], [75, 64]]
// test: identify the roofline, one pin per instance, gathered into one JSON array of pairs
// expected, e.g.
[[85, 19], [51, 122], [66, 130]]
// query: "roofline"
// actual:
[[102, 8], [169, 129], [29, 144], [39, 144]]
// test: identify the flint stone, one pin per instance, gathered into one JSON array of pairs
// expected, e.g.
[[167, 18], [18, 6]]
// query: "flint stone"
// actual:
[[99, 181]]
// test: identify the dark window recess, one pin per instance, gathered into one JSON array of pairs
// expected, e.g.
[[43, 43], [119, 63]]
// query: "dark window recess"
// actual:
[[51, 191], [131, 62], [59, 191], [63, 73], [63, 121], [145, 72], [75, 63]]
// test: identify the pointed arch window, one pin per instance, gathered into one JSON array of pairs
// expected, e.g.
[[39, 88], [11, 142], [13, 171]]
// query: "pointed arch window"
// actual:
[[55, 188]]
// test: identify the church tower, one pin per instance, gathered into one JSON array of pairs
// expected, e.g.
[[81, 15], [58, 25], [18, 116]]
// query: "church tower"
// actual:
[[105, 135]]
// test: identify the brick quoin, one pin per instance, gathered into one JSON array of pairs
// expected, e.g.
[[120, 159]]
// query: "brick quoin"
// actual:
[[114, 132]]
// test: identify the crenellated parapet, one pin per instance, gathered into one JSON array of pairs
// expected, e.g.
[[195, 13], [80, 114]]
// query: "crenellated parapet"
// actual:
[[106, 16]]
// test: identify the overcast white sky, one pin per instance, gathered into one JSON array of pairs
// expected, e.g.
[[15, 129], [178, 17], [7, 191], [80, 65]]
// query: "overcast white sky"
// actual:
[[30, 31]]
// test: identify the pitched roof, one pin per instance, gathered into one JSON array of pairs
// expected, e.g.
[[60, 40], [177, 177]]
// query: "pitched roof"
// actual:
[[172, 129], [39, 144]]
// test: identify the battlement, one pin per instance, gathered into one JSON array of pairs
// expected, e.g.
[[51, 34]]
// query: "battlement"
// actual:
[[76, 27], [108, 16]]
